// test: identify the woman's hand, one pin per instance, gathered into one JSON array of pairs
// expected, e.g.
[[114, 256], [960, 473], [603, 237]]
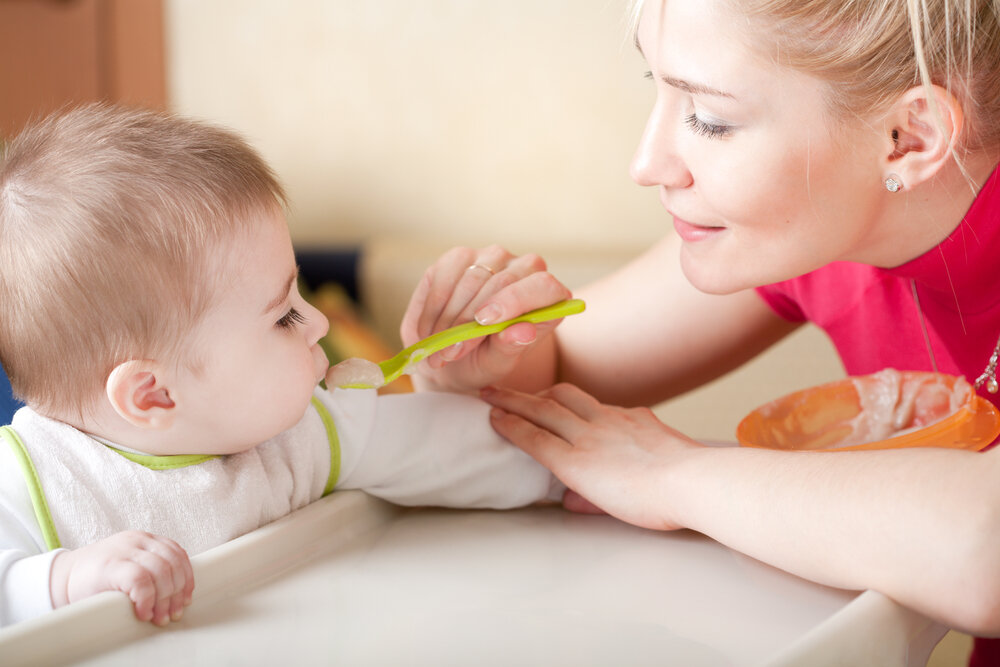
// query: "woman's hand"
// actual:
[[155, 573], [488, 285], [618, 459]]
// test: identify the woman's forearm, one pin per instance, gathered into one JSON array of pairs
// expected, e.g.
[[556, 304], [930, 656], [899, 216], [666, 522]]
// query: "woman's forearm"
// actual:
[[919, 525]]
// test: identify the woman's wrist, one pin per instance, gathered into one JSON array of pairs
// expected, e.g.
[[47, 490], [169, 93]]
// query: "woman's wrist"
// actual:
[[686, 497]]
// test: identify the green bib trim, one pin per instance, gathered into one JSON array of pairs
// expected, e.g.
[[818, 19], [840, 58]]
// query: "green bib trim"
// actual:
[[38, 502], [334, 440], [163, 462]]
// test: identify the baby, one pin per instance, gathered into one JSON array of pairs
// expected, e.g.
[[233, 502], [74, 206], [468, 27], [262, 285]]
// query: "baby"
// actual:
[[153, 326]]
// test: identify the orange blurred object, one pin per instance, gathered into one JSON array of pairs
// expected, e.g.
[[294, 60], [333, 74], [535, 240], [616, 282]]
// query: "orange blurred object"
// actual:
[[827, 417]]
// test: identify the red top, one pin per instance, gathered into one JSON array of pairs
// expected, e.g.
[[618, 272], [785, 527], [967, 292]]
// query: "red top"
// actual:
[[870, 314]]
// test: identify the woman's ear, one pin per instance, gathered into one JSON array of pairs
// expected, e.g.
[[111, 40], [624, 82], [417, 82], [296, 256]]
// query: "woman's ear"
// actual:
[[138, 393], [922, 128]]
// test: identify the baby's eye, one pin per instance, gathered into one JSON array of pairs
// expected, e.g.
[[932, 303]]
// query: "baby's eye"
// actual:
[[290, 319]]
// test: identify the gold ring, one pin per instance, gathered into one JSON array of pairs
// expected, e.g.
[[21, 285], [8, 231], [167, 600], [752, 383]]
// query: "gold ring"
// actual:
[[483, 267]]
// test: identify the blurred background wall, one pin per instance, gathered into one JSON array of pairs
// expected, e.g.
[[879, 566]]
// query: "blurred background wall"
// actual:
[[401, 128], [450, 121]]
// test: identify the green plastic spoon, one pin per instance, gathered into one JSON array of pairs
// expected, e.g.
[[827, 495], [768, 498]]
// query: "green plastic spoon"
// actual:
[[364, 374]]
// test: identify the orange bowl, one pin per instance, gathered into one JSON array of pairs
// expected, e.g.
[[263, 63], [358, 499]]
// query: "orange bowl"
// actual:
[[839, 416]]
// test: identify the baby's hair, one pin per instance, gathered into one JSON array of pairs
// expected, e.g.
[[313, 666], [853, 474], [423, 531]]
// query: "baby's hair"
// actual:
[[109, 221]]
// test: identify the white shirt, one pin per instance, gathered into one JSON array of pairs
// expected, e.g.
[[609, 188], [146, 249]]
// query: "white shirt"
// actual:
[[410, 449]]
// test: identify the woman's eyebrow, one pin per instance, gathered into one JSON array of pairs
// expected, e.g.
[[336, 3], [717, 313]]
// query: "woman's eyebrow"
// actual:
[[696, 88], [686, 86]]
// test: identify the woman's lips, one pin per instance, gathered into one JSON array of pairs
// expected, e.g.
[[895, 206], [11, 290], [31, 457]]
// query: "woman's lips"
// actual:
[[691, 233]]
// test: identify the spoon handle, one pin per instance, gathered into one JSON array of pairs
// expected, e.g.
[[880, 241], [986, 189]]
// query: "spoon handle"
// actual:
[[363, 374], [469, 330], [442, 339]]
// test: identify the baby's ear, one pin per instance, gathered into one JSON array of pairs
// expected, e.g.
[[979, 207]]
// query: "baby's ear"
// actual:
[[138, 392]]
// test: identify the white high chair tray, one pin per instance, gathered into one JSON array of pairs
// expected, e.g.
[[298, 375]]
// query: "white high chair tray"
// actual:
[[351, 580]]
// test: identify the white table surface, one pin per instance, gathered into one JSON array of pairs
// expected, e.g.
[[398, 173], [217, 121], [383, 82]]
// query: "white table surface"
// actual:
[[353, 581]]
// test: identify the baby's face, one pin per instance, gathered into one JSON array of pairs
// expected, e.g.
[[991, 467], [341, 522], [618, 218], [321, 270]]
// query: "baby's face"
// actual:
[[256, 351]]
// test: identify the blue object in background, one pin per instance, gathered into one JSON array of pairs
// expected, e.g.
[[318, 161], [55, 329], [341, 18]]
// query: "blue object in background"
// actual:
[[330, 265], [8, 406]]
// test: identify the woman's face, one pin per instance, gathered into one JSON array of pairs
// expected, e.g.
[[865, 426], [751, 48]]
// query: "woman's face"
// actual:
[[762, 183]]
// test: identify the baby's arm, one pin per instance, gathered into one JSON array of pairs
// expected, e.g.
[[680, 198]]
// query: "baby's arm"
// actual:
[[155, 573], [434, 449]]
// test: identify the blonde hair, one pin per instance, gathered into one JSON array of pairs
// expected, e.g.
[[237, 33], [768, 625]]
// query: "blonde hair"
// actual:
[[109, 218], [871, 51]]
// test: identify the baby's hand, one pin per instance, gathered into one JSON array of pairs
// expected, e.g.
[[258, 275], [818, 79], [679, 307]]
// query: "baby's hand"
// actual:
[[155, 572]]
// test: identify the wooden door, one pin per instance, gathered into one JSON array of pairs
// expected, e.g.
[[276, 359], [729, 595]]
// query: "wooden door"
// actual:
[[59, 52]]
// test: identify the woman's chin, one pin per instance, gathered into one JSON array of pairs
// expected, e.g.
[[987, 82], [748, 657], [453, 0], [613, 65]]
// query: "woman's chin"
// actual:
[[711, 277]]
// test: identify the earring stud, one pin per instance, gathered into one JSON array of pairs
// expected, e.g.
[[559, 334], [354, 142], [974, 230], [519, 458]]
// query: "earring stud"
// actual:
[[893, 183]]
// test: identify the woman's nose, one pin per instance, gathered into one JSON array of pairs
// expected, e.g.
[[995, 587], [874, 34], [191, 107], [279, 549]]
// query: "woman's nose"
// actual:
[[656, 161]]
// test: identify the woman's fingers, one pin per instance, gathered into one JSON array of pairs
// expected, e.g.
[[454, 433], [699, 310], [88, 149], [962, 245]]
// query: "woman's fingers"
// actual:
[[534, 290], [562, 411], [574, 502], [489, 285], [559, 405], [488, 271], [463, 280], [448, 286], [539, 443]]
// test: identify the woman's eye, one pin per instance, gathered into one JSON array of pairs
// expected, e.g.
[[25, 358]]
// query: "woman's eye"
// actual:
[[709, 130], [290, 319]]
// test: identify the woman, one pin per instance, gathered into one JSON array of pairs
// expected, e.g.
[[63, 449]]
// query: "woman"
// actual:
[[840, 157]]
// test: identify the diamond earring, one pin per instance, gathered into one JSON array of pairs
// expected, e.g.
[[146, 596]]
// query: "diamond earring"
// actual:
[[893, 183]]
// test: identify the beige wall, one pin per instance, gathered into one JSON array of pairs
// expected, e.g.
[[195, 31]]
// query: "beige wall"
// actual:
[[455, 121], [428, 123]]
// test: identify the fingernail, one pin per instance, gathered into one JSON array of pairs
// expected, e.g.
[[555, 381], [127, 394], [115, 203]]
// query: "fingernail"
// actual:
[[524, 337], [489, 314], [449, 354]]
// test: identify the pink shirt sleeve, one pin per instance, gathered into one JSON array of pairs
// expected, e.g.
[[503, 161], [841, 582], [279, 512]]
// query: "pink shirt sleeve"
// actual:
[[777, 297]]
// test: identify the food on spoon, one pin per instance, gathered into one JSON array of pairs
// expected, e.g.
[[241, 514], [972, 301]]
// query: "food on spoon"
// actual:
[[355, 371]]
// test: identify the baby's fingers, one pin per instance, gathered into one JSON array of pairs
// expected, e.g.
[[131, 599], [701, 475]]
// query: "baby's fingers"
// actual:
[[158, 578], [137, 583]]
